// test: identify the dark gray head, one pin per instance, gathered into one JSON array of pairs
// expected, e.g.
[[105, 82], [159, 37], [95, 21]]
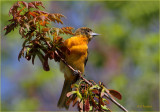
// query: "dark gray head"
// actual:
[[87, 32]]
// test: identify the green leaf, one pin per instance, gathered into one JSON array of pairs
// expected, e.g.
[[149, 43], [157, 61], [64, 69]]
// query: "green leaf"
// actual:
[[104, 107], [71, 93]]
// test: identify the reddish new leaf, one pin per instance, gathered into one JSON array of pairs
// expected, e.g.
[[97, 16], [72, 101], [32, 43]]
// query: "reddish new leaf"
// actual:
[[10, 27], [51, 54], [95, 91], [70, 93], [87, 105], [21, 53], [45, 64], [25, 4], [75, 101], [68, 30], [115, 94], [42, 17], [45, 29], [69, 100], [30, 5]]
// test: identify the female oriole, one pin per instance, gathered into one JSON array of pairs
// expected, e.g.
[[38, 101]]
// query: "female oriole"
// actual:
[[77, 58]]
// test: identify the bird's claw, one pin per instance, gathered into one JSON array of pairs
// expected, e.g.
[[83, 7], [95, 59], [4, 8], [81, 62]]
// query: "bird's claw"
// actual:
[[77, 72]]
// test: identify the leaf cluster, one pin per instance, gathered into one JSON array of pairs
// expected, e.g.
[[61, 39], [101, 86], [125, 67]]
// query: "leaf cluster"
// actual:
[[39, 38], [91, 97]]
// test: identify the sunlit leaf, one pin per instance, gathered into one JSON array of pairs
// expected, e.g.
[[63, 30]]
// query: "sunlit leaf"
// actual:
[[104, 107], [71, 93]]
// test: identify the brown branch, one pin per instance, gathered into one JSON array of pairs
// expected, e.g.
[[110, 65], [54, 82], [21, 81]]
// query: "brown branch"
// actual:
[[80, 76]]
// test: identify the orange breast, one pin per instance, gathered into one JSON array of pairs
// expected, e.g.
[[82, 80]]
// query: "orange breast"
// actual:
[[78, 52]]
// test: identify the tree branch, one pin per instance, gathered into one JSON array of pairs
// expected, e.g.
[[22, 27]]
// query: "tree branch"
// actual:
[[79, 75]]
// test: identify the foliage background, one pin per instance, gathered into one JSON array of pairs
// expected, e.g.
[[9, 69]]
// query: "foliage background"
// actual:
[[125, 57]]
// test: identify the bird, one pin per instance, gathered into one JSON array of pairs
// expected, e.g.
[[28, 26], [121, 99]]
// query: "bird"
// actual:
[[77, 59]]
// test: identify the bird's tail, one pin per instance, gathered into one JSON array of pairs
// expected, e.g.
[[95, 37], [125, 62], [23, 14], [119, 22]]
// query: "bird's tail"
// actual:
[[63, 98]]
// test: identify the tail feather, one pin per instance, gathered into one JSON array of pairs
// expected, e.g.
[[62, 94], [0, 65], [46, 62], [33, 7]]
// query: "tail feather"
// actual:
[[63, 98]]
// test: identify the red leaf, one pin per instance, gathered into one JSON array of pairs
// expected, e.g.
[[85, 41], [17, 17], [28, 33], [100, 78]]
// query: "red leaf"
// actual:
[[51, 54], [115, 94], [69, 100], [75, 101], [93, 102], [42, 17], [87, 105], [25, 4], [32, 13], [68, 30], [21, 53], [10, 27], [38, 3], [18, 19], [95, 91], [13, 9], [45, 29], [45, 64], [30, 5]]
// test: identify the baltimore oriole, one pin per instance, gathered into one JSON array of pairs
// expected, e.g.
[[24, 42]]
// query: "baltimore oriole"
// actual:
[[78, 46]]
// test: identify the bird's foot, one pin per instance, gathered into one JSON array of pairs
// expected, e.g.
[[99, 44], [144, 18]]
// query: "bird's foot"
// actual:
[[76, 72]]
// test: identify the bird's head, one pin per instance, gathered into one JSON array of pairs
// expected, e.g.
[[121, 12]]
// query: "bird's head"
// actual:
[[87, 32]]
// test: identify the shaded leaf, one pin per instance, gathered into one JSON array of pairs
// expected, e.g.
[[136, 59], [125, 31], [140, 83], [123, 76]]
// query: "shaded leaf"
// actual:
[[93, 102], [28, 56], [33, 57], [51, 54], [75, 101], [21, 53], [9, 28], [69, 100], [27, 26], [95, 91], [45, 64]]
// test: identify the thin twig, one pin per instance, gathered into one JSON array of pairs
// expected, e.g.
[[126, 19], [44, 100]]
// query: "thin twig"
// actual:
[[106, 94]]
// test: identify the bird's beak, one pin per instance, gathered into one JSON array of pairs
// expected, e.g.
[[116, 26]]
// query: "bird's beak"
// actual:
[[94, 34]]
